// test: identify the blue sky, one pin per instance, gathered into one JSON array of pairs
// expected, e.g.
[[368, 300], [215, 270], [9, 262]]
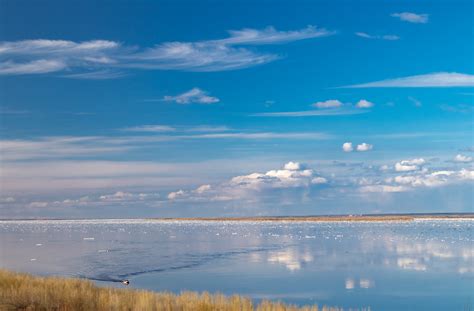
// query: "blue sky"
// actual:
[[186, 108]]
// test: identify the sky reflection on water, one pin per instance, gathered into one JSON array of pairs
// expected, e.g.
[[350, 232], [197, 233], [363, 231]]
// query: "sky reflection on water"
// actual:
[[387, 266]]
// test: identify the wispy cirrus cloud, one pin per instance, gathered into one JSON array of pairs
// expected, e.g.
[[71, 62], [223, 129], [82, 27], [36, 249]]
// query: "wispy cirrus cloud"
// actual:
[[104, 59], [412, 17], [32, 67], [438, 79], [380, 37], [70, 147], [150, 128], [309, 113], [270, 35]]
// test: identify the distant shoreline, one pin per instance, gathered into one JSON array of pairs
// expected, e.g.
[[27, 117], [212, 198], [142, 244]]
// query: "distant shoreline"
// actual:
[[335, 218], [312, 218]]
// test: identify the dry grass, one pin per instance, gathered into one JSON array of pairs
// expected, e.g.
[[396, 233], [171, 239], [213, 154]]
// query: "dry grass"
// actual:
[[19, 291]]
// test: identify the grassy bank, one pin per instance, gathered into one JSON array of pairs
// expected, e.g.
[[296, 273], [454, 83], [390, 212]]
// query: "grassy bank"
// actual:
[[20, 291]]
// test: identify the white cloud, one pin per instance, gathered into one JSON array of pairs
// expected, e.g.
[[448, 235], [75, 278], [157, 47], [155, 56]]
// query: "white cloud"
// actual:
[[208, 128], [347, 147], [293, 175], [466, 174], [382, 37], [100, 59], [45, 56], [270, 35], [261, 135], [319, 180], [86, 146], [364, 147], [194, 95], [150, 128], [32, 67], [101, 74], [176, 194], [439, 79], [38, 204], [331, 107], [433, 179], [310, 113], [122, 196], [416, 178], [331, 103], [412, 17], [59, 47], [409, 165], [202, 189], [364, 104], [462, 158], [293, 166], [205, 56], [382, 188]]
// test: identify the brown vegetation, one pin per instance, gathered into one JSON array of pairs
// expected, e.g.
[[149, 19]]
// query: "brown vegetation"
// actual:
[[19, 291]]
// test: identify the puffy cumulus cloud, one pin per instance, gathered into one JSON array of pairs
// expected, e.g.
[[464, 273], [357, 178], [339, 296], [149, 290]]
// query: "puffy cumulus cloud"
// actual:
[[364, 104], [364, 147], [466, 174], [432, 179], [195, 95], [462, 158], [203, 188], [331, 103], [412, 17], [412, 179], [347, 147], [334, 103], [176, 194], [293, 166], [409, 165], [319, 180], [293, 175]]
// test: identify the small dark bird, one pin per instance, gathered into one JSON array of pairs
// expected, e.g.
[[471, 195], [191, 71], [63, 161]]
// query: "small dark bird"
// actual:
[[125, 282]]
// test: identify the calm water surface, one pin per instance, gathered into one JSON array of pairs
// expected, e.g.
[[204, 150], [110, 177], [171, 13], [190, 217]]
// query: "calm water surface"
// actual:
[[422, 265]]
